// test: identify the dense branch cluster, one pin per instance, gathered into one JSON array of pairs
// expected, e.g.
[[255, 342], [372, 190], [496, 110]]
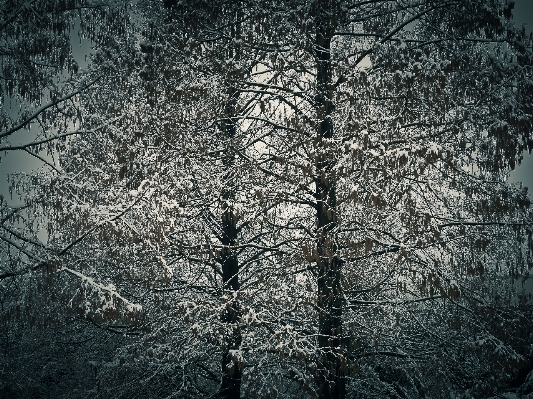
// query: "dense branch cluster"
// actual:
[[267, 199]]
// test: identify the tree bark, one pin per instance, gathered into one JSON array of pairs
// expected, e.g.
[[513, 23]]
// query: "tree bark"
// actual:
[[230, 387], [231, 370], [331, 375]]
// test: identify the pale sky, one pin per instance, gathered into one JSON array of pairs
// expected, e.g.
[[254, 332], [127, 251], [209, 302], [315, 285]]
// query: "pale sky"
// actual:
[[523, 14]]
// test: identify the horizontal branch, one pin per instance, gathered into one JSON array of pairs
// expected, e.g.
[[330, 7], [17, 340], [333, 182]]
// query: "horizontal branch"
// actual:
[[45, 107], [101, 287], [57, 137], [484, 224], [406, 302]]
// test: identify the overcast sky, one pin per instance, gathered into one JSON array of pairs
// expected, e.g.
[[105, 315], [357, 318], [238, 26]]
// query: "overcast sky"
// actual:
[[523, 14]]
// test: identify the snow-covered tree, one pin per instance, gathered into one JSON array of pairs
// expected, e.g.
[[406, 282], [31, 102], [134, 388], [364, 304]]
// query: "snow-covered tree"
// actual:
[[402, 122], [42, 86], [298, 198]]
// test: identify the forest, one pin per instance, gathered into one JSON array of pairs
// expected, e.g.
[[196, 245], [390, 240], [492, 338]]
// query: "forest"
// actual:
[[265, 199]]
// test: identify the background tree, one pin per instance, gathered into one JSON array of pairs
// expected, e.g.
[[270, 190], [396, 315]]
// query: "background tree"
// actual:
[[42, 87]]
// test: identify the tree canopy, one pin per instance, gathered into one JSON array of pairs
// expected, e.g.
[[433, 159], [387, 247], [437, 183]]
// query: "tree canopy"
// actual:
[[268, 199]]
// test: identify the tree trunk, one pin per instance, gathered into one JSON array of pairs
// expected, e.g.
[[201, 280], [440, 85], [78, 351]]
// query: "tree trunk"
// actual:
[[231, 370], [331, 377]]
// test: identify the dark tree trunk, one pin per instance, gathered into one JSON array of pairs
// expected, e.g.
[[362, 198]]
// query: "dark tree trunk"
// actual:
[[231, 370], [331, 375]]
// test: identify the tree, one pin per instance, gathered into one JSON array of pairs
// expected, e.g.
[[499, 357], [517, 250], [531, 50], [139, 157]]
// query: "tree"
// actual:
[[122, 238], [42, 84], [409, 141], [350, 223], [403, 123], [42, 87]]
